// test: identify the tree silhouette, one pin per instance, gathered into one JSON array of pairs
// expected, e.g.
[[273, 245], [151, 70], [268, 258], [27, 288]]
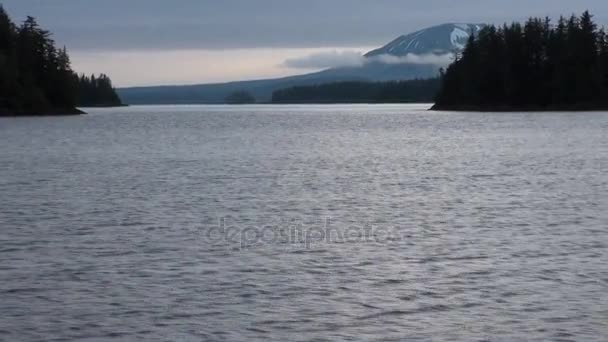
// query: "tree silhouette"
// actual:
[[96, 91], [36, 77], [535, 66]]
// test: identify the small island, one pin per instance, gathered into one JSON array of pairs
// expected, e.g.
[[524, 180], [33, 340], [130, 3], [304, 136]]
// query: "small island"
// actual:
[[240, 97], [36, 77], [532, 67]]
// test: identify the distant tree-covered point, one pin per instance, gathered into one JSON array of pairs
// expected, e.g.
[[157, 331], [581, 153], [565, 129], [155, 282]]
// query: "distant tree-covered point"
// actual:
[[36, 77], [535, 66], [360, 92]]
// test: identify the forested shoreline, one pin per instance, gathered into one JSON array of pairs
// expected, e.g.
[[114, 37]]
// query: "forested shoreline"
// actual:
[[36, 77], [360, 92], [97, 91], [532, 67], [535, 66]]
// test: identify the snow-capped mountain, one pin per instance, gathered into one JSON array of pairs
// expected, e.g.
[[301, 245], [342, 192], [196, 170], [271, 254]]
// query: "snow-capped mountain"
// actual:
[[437, 40]]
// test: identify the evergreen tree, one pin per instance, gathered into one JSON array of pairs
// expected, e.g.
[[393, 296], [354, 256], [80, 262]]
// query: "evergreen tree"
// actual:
[[8, 61], [96, 91], [603, 65], [36, 77], [531, 66]]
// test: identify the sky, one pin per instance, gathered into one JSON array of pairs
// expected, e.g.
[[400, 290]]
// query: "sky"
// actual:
[[152, 42]]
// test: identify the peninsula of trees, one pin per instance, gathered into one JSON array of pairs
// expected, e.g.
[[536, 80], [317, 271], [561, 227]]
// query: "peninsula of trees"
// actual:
[[36, 77], [360, 92], [97, 92], [535, 66]]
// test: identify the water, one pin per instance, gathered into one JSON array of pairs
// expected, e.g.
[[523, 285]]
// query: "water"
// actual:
[[304, 223]]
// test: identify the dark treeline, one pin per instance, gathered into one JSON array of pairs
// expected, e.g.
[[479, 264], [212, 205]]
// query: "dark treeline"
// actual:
[[97, 92], [35, 76], [360, 92], [535, 66]]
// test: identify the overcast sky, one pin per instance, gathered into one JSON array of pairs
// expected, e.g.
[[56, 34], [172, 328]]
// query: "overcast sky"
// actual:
[[142, 42]]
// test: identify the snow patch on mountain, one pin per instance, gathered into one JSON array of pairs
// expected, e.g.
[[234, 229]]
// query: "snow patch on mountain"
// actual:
[[459, 37]]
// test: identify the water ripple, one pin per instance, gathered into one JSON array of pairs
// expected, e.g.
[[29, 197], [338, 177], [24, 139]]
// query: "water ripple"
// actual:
[[304, 223]]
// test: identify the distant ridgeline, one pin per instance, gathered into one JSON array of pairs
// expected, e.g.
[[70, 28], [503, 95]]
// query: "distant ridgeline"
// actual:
[[361, 92], [36, 77], [537, 66]]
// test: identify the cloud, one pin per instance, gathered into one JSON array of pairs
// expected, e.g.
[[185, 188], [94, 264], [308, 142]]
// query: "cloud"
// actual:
[[337, 59], [120, 25], [139, 68], [323, 60], [431, 58]]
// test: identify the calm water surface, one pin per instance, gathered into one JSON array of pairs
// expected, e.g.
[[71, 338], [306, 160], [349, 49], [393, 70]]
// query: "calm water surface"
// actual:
[[304, 223]]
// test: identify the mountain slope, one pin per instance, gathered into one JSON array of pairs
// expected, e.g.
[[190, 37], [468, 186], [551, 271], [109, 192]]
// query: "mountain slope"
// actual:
[[440, 39], [262, 89], [437, 40]]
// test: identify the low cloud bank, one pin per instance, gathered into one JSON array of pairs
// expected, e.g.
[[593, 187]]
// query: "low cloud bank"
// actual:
[[337, 59], [441, 60], [332, 59]]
